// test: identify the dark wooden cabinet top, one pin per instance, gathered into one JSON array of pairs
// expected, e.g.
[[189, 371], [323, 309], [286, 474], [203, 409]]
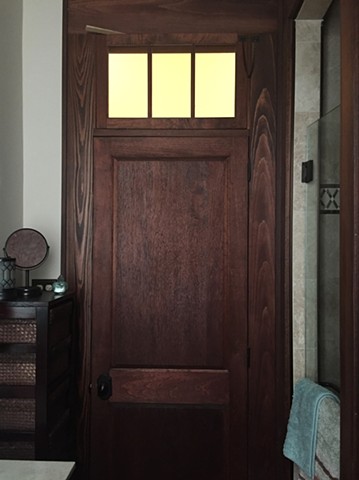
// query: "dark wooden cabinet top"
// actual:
[[45, 299]]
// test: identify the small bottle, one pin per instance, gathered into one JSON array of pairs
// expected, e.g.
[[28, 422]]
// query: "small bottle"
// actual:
[[60, 285]]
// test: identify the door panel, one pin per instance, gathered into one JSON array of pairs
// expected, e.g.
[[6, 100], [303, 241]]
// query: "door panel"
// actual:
[[170, 308], [175, 443], [175, 251], [169, 386]]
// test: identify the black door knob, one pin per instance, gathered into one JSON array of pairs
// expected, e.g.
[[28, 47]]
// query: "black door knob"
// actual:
[[104, 386]]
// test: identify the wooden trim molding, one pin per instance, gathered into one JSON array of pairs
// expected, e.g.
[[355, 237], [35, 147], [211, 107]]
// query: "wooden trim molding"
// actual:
[[77, 211], [286, 63], [173, 16], [349, 240], [269, 264]]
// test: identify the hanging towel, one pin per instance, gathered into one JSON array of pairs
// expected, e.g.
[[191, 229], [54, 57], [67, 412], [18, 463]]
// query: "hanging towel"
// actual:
[[301, 439]]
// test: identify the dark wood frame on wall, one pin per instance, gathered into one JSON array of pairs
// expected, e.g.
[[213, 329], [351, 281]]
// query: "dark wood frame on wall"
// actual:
[[349, 239], [79, 123]]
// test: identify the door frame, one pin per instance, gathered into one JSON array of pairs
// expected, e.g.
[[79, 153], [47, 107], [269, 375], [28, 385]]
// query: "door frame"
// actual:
[[349, 240], [79, 125]]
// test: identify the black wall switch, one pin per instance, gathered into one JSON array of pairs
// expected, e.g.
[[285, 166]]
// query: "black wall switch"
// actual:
[[307, 171]]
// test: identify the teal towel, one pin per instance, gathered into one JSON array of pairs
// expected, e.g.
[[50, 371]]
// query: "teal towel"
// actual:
[[301, 439]]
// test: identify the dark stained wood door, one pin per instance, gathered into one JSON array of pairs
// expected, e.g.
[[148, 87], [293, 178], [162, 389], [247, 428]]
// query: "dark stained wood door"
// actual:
[[169, 308]]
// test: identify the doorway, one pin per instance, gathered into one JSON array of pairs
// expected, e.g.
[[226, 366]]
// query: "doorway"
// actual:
[[265, 358]]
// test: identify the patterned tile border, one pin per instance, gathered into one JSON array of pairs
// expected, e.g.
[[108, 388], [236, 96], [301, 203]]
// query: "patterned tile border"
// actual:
[[329, 198]]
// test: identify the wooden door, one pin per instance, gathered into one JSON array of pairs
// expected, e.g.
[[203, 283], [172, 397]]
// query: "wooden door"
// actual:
[[169, 308]]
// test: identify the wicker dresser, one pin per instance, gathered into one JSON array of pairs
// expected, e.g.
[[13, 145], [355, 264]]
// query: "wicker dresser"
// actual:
[[37, 378]]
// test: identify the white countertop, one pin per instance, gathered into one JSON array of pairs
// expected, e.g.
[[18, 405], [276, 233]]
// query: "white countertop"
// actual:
[[35, 470]]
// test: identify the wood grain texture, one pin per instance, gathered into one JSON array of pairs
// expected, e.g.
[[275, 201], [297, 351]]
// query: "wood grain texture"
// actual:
[[77, 205], [203, 161], [349, 241], [262, 268], [181, 17], [173, 16], [284, 357], [176, 250], [170, 386]]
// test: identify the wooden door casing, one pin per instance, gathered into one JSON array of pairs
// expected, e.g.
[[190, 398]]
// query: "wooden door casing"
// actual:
[[170, 307], [77, 263], [263, 324]]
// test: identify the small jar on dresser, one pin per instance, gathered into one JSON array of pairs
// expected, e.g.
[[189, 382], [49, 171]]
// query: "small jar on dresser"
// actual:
[[37, 390]]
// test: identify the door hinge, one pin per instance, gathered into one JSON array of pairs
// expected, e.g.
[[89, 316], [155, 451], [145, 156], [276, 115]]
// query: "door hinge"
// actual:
[[248, 357]]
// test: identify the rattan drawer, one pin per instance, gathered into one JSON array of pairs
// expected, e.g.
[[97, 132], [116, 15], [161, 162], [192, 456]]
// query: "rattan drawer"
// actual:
[[17, 331], [17, 414], [17, 369]]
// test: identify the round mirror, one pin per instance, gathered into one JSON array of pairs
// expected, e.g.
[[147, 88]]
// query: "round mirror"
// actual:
[[29, 248]]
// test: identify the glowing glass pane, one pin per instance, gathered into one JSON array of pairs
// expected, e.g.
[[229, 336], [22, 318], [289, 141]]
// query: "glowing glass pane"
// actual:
[[171, 85], [127, 85], [215, 84]]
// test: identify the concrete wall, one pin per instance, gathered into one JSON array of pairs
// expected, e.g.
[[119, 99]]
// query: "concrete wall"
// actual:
[[11, 138], [30, 132], [329, 217], [307, 111], [315, 231]]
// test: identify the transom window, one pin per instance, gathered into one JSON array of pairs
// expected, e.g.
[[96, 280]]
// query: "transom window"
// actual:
[[172, 84]]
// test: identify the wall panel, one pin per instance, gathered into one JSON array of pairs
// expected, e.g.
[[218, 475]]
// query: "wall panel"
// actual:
[[171, 16]]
